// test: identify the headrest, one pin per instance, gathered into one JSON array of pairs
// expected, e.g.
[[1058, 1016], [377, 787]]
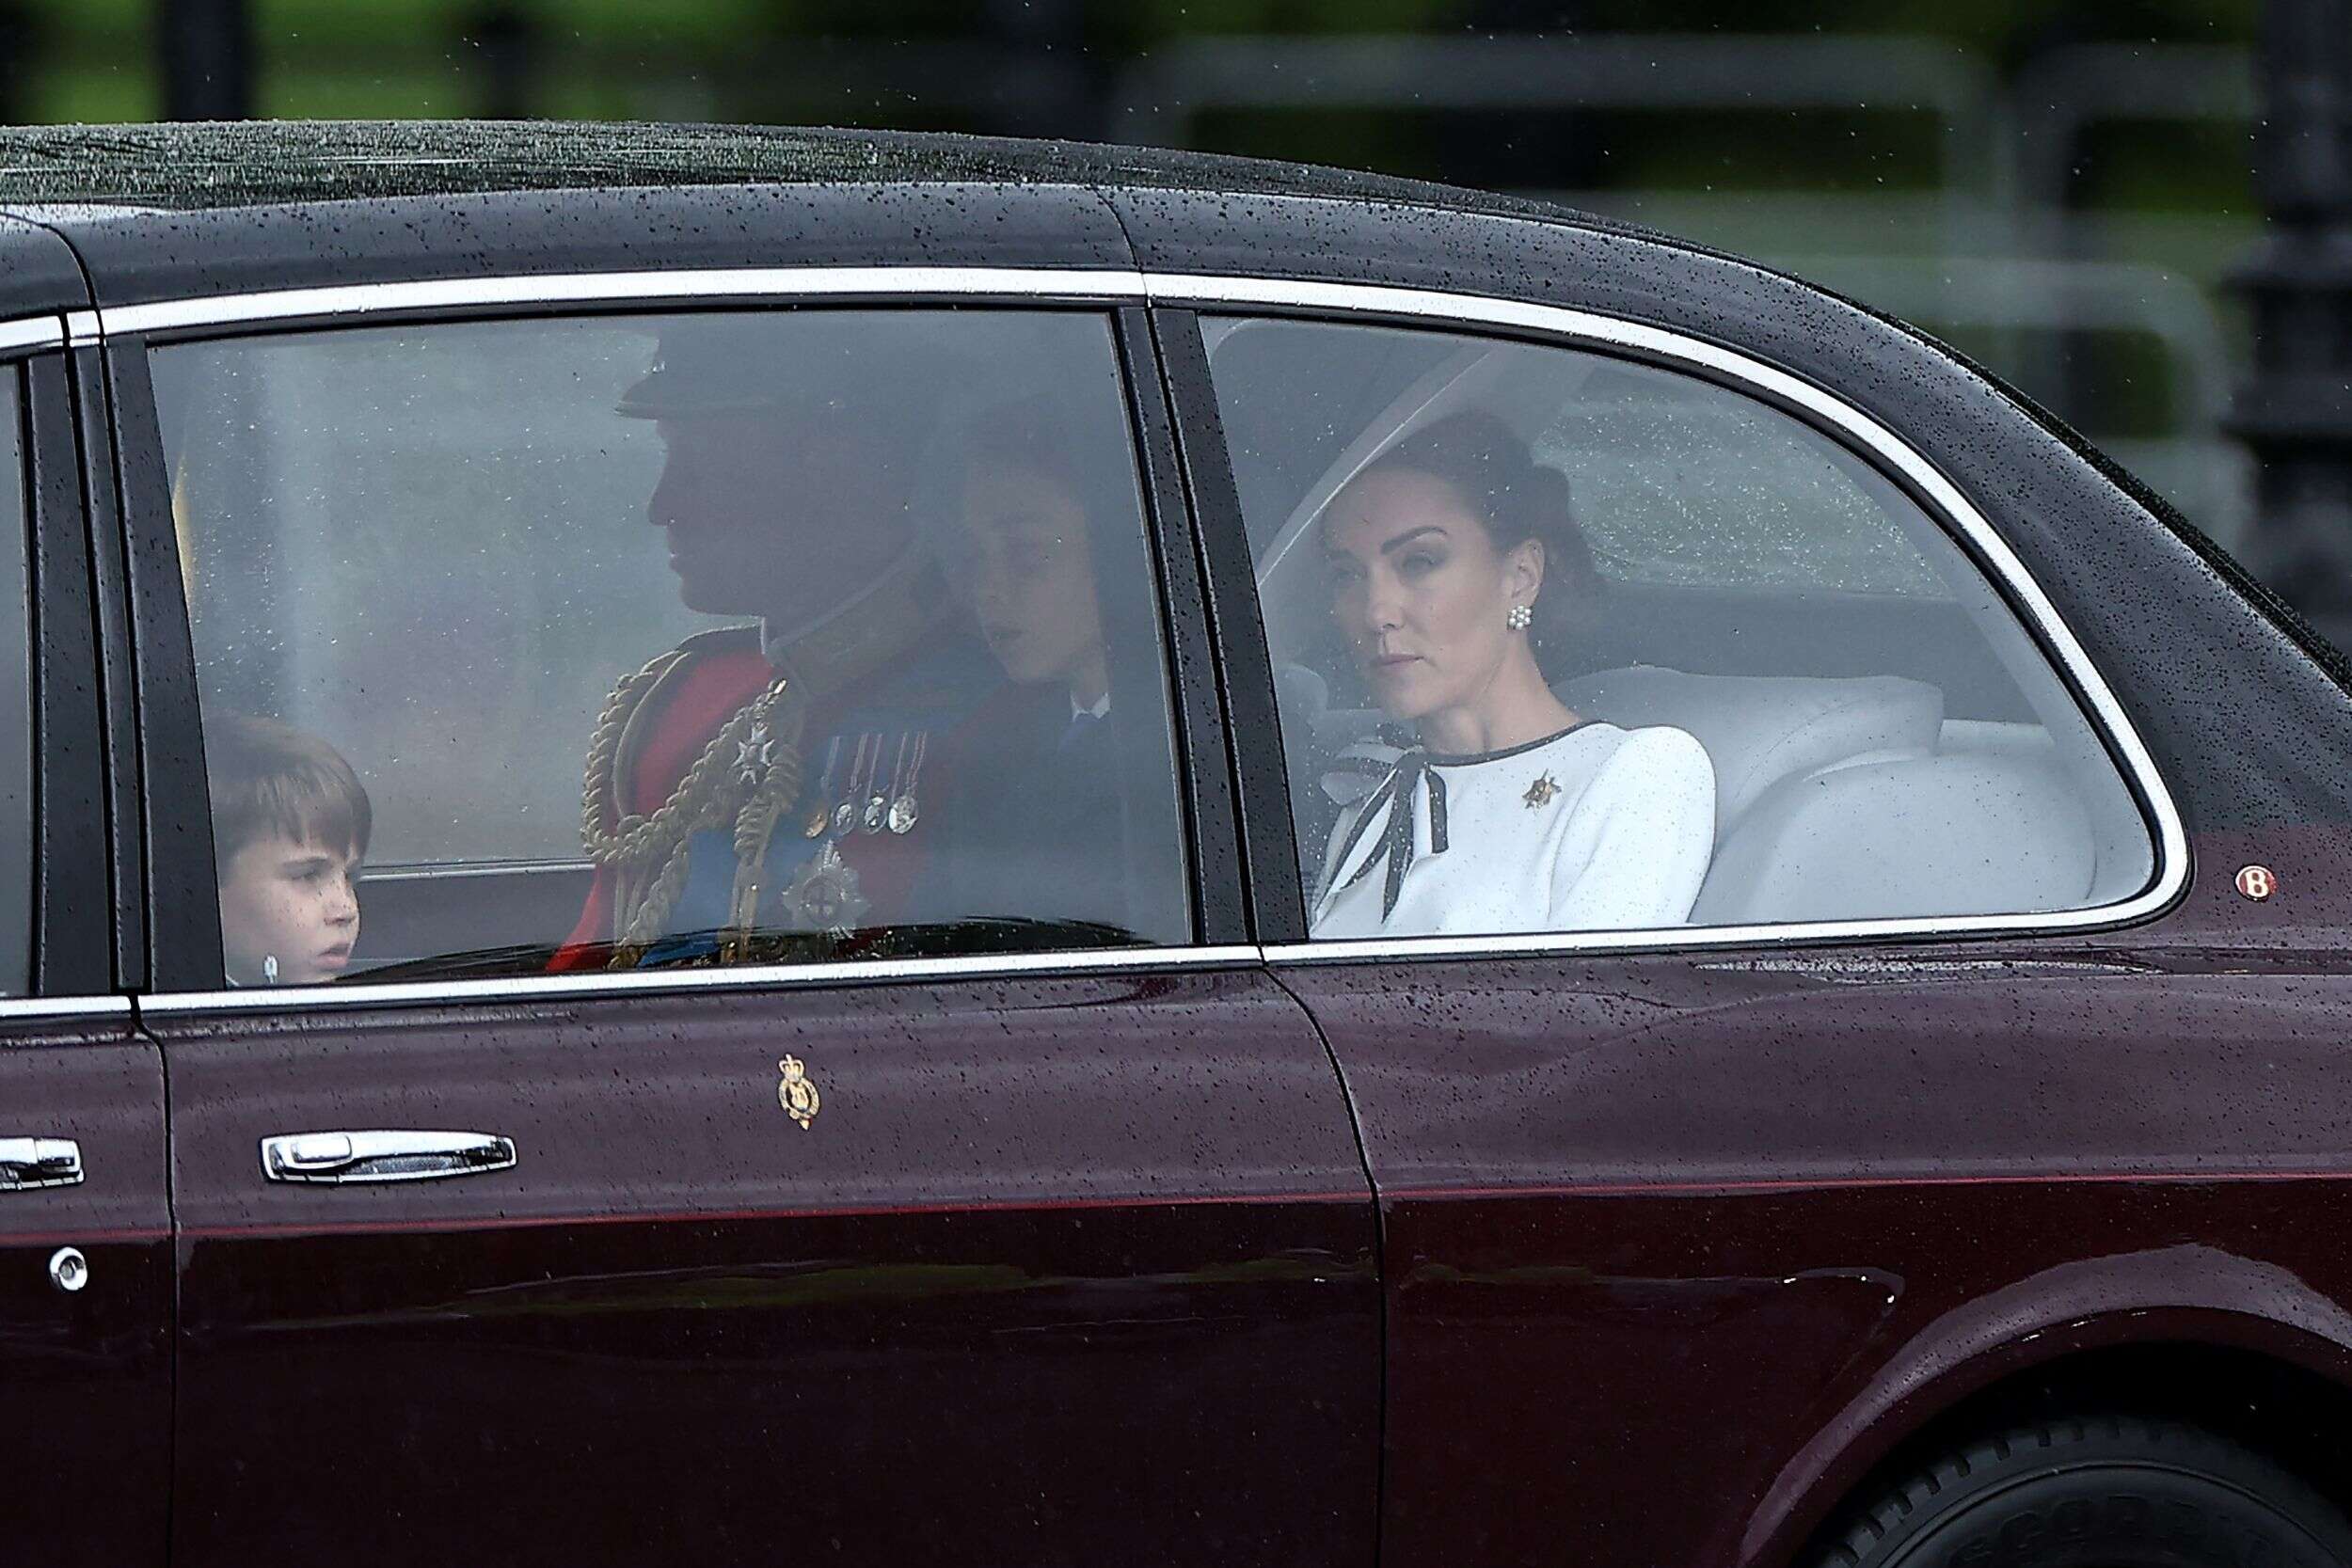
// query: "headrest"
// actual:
[[1761, 729], [1943, 835]]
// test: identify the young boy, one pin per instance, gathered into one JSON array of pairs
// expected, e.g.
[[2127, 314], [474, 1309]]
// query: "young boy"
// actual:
[[290, 828]]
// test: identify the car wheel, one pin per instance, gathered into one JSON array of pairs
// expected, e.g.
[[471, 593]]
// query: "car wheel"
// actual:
[[2095, 1492]]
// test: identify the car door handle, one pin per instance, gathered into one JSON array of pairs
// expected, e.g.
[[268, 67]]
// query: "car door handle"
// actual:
[[383, 1156], [26, 1162]]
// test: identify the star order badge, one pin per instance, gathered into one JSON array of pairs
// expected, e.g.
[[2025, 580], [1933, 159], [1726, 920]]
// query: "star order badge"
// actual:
[[797, 1092], [825, 897], [755, 755], [1539, 794]]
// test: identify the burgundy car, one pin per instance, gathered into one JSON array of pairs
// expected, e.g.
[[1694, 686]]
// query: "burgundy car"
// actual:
[[716, 847]]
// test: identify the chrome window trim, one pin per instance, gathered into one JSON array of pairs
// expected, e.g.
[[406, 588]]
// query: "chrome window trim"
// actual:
[[1581, 327], [1060, 284], [914, 284], [35, 1008], [434, 871], [548, 988], [28, 334]]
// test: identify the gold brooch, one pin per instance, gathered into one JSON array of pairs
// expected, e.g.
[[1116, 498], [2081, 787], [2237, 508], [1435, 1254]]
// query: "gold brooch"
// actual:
[[1539, 794], [796, 1093]]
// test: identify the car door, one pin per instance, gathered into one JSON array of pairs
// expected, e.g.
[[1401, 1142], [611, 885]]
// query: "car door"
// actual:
[[1034, 1230], [1661, 1207], [85, 1297]]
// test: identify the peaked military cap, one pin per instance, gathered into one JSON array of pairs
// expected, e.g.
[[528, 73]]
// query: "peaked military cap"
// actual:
[[790, 361]]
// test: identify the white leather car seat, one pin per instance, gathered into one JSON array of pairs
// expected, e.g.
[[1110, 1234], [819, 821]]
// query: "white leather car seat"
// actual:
[[1938, 835], [1835, 799], [1761, 729]]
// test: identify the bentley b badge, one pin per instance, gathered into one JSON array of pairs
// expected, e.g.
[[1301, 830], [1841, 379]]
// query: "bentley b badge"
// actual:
[[796, 1093]]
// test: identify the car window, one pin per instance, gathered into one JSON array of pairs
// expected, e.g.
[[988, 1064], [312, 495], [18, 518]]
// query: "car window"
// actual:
[[1567, 643], [726, 637], [1679, 486], [16, 729], [1673, 485]]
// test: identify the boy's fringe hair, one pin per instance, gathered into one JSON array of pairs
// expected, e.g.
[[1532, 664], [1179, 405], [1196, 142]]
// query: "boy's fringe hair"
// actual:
[[271, 778]]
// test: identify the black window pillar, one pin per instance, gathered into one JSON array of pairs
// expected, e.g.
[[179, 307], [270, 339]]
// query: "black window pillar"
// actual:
[[2296, 414], [506, 46], [208, 59]]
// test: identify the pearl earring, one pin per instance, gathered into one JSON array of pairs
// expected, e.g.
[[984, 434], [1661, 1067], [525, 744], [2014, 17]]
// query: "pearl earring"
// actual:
[[1520, 618]]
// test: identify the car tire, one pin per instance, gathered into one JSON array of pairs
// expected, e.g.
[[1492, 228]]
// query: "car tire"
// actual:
[[2109, 1491]]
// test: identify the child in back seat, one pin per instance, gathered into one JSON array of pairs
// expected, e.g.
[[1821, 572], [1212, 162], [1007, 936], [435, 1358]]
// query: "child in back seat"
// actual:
[[290, 829]]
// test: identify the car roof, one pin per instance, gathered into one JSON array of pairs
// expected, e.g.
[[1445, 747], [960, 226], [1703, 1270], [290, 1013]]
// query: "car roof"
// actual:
[[212, 166], [181, 211]]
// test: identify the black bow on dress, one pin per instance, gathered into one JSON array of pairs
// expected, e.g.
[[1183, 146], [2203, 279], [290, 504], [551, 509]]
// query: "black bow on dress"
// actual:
[[1390, 805]]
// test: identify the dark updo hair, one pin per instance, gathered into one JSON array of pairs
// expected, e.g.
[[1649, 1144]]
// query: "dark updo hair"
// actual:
[[1516, 499]]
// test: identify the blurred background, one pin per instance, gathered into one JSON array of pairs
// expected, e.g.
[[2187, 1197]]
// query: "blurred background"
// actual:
[[2137, 210]]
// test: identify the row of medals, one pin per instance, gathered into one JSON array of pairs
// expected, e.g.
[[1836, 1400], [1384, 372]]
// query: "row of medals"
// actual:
[[896, 810]]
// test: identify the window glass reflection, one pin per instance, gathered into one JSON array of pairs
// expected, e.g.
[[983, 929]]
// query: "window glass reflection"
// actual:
[[1564, 642], [703, 639]]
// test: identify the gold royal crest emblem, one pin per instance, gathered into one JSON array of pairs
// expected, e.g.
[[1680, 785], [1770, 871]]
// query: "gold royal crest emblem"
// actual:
[[797, 1092]]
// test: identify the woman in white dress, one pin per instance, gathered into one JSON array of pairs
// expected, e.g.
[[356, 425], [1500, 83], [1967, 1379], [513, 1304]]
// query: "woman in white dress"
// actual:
[[1455, 571]]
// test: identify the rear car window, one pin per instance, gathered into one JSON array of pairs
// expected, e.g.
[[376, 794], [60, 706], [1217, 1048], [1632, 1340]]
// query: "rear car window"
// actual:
[[1569, 642], [713, 638], [1678, 485]]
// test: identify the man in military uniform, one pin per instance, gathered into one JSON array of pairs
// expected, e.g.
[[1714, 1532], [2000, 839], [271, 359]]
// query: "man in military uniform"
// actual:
[[758, 792]]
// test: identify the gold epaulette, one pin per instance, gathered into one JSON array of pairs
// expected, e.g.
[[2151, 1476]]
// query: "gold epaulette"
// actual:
[[645, 853], [613, 742]]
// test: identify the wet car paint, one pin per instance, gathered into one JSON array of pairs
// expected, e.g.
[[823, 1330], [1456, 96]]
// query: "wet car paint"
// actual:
[[1660, 1222], [1053, 1264], [85, 1375]]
